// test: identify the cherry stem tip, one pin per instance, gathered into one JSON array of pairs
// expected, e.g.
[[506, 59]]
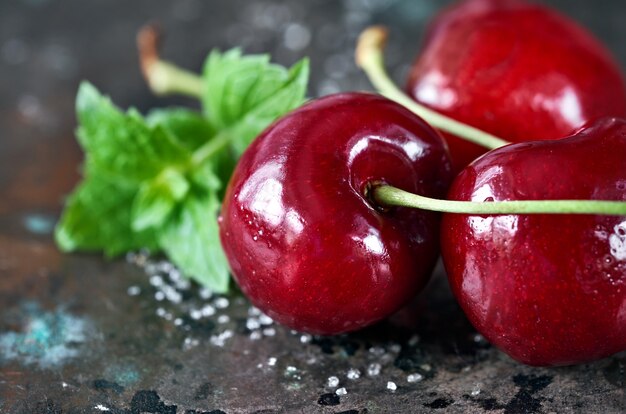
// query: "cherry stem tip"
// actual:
[[369, 57]]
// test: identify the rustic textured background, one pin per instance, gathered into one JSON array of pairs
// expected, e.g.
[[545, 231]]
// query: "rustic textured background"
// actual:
[[82, 335]]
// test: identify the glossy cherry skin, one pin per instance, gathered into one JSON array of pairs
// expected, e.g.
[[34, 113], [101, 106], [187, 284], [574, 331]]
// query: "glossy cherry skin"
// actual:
[[545, 289], [303, 242], [517, 70]]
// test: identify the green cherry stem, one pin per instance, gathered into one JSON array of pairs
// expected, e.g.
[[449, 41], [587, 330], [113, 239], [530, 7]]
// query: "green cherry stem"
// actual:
[[387, 196], [369, 57], [164, 78]]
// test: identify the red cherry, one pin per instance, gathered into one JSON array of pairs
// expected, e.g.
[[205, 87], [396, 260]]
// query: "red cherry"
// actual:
[[304, 243], [516, 70], [546, 289]]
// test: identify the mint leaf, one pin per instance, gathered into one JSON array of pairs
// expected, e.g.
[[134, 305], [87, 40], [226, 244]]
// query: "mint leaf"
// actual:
[[123, 144], [189, 127], [157, 198], [97, 217], [191, 240], [157, 181], [204, 177], [247, 93]]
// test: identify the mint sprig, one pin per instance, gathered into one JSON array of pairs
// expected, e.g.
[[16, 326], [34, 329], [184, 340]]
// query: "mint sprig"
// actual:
[[156, 182]]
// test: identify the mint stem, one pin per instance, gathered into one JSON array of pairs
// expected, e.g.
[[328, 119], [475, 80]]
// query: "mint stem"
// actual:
[[386, 195], [369, 57], [212, 146], [164, 78]]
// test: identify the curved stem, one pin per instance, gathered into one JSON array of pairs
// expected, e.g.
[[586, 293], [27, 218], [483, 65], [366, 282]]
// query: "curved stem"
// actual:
[[369, 57], [163, 77], [210, 147], [387, 195]]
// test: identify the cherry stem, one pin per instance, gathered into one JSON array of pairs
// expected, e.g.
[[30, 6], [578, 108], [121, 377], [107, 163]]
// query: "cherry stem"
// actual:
[[164, 78], [369, 57], [387, 196]]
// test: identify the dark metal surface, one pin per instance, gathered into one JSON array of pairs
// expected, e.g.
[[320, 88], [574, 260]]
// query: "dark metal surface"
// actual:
[[79, 334]]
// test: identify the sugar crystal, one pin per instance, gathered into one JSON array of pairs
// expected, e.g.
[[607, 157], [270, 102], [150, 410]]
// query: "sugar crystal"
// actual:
[[221, 303], [353, 374], [414, 377], [252, 324], [374, 369]]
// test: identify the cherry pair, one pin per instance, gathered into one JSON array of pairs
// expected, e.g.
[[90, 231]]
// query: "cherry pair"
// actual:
[[318, 239], [311, 243]]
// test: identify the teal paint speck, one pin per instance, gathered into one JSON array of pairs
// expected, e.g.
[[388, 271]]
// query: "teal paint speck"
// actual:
[[39, 224], [125, 376], [47, 339]]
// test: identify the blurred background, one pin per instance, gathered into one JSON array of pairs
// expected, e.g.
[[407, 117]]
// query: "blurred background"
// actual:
[[48, 46]]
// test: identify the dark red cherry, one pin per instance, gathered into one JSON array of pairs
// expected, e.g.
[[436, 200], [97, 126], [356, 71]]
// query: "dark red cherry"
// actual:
[[546, 289], [517, 70], [304, 243]]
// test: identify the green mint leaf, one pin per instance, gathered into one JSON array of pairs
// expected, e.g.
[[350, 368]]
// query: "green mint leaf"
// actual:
[[191, 240], [157, 198], [122, 144], [97, 217], [189, 127], [204, 177], [246, 93], [157, 181]]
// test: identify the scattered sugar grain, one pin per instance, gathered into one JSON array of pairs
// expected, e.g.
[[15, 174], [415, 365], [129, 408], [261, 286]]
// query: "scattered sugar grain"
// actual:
[[221, 303], [190, 343], [208, 310], [391, 386], [395, 348], [332, 382], [265, 320], [374, 369], [205, 293], [252, 324], [220, 339], [412, 378], [377, 351], [195, 314], [341, 391], [353, 374]]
